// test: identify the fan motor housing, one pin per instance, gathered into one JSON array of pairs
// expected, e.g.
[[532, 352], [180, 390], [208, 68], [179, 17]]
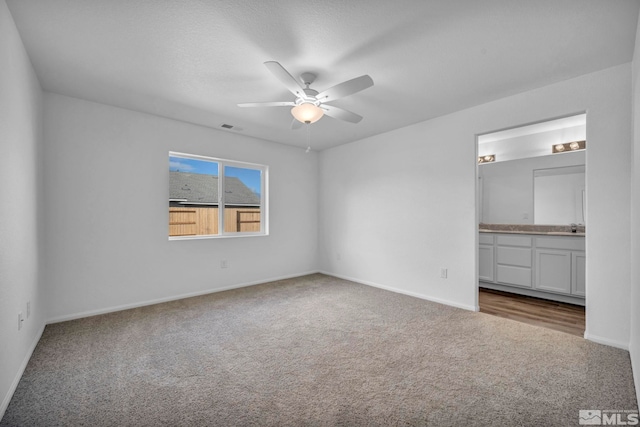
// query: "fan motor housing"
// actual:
[[310, 92]]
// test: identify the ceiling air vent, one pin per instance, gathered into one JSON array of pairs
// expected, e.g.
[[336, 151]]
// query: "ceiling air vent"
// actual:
[[231, 127]]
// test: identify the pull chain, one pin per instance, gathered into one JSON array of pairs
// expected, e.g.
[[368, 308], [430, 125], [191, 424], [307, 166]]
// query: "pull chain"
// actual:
[[308, 137]]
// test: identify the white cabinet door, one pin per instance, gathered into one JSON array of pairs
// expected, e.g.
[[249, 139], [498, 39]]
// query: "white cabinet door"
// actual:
[[485, 256], [553, 270], [578, 274]]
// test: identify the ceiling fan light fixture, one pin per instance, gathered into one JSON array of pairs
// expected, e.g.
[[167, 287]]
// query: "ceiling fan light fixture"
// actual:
[[307, 112]]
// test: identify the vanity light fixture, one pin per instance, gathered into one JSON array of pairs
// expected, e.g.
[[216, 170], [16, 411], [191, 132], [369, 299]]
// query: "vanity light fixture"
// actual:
[[568, 146], [487, 159]]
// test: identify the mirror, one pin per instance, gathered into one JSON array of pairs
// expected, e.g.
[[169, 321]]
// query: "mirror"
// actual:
[[539, 190], [559, 195], [524, 182]]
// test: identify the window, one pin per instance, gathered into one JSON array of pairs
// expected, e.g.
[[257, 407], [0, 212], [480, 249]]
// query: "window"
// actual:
[[215, 197]]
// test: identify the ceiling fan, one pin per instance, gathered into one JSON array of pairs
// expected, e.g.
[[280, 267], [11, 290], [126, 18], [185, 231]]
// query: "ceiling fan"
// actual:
[[310, 105]]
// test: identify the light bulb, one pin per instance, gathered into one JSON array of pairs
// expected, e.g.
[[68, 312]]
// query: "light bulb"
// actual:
[[307, 113]]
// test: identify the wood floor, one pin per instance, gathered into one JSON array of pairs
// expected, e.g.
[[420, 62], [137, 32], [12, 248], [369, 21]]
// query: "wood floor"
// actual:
[[560, 316]]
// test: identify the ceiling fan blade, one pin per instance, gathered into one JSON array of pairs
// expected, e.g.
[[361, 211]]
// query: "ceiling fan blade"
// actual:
[[295, 124], [339, 113], [345, 89], [287, 79], [268, 104]]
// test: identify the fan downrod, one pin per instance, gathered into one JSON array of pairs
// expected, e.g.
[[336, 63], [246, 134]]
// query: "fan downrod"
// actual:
[[308, 78]]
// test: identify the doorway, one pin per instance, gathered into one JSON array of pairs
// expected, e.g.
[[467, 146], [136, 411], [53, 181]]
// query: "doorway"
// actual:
[[568, 318], [531, 211]]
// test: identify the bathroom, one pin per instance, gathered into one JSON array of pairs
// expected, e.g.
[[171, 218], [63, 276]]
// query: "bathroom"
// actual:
[[532, 223]]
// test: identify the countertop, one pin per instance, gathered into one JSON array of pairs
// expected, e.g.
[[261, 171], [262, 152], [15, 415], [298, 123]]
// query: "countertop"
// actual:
[[539, 229], [542, 233]]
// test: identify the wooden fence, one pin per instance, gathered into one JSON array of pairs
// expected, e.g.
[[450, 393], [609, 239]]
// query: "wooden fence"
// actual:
[[202, 221]]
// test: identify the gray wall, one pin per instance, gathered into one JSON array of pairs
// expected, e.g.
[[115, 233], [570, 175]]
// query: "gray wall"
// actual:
[[634, 301], [20, 207], [397, 207], [106, 190]]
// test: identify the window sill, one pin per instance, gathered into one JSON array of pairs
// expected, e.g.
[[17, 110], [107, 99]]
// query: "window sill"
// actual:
[[218, 236]]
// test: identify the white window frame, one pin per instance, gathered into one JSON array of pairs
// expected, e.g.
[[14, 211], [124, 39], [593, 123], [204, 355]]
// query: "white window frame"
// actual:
[[264, 188]]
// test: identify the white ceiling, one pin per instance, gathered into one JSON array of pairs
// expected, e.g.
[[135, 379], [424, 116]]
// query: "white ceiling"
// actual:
[[196, 60]]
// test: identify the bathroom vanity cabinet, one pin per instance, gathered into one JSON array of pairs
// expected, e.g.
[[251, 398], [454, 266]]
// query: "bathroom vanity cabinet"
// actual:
[[540, 265]]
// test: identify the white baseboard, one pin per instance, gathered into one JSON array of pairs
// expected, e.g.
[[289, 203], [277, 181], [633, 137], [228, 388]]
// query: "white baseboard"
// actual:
[[18, 376], [89, 313], [402, 291], [23, 366], [606, 341]]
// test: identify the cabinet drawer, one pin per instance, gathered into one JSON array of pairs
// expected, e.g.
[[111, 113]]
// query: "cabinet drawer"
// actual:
[[518, 276], [568, 243], [511, 240], [486, 239], [520, 257]]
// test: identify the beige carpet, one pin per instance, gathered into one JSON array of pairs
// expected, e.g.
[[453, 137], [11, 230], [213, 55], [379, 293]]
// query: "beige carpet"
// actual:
[[314, 351]]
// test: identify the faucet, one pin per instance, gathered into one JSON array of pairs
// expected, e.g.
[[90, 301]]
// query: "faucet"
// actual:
[[574, 228]]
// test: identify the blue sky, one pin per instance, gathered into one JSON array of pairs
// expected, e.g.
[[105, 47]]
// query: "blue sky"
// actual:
[[181, 164], [250, 177]]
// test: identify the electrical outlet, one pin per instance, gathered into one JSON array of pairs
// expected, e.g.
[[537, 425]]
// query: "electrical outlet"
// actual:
[[224, 263], [20, 320], [28, 309], [443, 273]]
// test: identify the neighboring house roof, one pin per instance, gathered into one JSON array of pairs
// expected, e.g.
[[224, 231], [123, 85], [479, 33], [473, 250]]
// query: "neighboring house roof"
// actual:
[[192, 188]]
